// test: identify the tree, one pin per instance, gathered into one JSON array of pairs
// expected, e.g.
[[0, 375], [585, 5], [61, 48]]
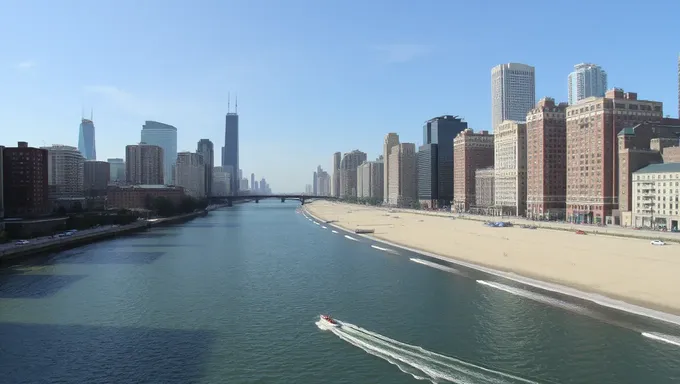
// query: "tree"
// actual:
[[163, 206]]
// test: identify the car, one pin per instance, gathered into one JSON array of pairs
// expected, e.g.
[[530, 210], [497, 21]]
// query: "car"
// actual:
[[657, 242], [22, 242]]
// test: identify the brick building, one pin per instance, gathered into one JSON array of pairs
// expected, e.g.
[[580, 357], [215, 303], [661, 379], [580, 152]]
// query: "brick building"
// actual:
[[471, 151], [547, 160], [136, 196], [592, 152], [25, 181]]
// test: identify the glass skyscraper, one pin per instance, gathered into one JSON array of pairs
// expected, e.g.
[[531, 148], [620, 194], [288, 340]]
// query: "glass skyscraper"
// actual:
[[441, 131], [230, 151], [86, 144], [587, 80], [164, 136]]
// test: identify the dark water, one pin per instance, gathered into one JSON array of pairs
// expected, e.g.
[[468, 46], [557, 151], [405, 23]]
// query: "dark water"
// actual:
[[234, 298]]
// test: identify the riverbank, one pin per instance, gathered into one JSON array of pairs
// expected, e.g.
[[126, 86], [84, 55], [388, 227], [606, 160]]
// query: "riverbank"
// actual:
[[623, 273], [80, 238]]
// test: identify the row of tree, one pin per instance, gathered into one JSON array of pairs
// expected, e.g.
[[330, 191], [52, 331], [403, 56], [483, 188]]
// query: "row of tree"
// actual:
[[165, 207]]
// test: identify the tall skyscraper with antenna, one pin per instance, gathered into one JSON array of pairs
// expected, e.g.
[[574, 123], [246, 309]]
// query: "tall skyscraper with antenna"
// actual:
[[86, 143], [230, 162]]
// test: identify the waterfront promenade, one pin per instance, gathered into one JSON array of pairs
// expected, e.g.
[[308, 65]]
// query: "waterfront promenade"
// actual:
[[623, 268]]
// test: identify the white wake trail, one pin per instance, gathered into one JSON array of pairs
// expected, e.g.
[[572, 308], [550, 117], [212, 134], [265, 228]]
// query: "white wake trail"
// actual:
[[419, 362]]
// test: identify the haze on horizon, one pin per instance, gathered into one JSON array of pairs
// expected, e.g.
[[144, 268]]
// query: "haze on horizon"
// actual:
[[311, 78]]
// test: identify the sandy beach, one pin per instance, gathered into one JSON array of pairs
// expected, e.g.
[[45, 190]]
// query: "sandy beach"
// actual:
[[627, 269]]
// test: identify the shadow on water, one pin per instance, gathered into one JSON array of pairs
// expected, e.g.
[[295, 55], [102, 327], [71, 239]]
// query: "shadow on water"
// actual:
[[91, 354], [15, 285], [112, 257], [211, 225]]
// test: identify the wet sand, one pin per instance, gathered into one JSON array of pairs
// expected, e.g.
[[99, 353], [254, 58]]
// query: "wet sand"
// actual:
[[627, 269]]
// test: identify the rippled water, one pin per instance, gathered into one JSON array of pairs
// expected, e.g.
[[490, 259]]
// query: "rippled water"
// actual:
[[235, 297]]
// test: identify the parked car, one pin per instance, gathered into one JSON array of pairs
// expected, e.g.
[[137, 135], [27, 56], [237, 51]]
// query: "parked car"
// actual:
[[22, 242], [657, 242]]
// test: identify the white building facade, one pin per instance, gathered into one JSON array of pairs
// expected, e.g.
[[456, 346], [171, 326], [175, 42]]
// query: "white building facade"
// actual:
[[656, 196], [190, 174], [65, 172]]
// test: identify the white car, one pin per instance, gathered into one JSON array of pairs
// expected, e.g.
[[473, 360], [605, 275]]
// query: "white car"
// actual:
[[657, 242]]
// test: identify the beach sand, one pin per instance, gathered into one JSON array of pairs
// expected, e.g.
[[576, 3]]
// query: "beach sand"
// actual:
[[627, 269]]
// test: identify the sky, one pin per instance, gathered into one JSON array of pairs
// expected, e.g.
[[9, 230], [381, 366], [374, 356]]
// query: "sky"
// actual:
[[312, 76]]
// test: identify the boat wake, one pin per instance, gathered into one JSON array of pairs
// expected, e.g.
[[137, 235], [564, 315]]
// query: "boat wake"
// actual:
[[417, 361]]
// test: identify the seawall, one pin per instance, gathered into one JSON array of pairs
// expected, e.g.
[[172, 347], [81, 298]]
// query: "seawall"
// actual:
[[16, 253]]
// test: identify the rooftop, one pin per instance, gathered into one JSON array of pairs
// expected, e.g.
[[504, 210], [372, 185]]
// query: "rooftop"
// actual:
[[660, 168]]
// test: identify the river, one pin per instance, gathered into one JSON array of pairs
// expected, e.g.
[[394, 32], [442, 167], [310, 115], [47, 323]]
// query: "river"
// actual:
[[234, 297]]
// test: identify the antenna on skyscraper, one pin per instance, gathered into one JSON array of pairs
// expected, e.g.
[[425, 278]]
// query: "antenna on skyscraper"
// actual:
[[228, 102], [91, 114], [236, 108]]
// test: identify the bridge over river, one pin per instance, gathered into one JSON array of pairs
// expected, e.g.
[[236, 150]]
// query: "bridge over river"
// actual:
[[229, 200]]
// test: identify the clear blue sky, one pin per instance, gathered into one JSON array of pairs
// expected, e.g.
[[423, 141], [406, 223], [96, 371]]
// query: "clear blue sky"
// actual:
[[313, 77]]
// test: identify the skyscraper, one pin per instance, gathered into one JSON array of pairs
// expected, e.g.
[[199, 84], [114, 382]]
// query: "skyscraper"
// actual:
[[144, 164], [403, 183], [230, 150], [64, 171], [335, 183], [587, 80], [513, 92], [441, 131], [117, 169], [391, 139], [164, 136], [190, 173], [86, 143], [206, 149], [348, 172]]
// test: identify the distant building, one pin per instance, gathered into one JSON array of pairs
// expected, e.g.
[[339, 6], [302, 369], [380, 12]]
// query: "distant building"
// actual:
[[335, 182], [391, 140], [426, 164], [86, 142], [230, 151], [510, 167], [144, 164], [513, 92], [206, 149], [656, 196], [471, 151], [139, 196], [547, 160], [117, 170], [164, 136], [24, 180], [441, 131], [322, 183], [587, 80], [370, 180], [190, 174], [593, 196], [65, 172], [96, 177], [484, 190], [348, 172], [221, 182], [403, 182]]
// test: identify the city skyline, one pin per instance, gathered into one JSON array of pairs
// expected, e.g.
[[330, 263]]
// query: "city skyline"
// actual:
[[291, 79]]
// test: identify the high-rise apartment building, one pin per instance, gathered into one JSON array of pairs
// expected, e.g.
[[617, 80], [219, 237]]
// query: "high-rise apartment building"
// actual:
[[513, 92], [471, 151], [64, 172], [190, 174], [403, 182], [144, 164], [510, 168], [547, 160], [24, 184], [117, 170], [86, 142], [391, 140], [206, 149], [348, 172], [592, 151], [221, 182], [323, 183], [335, 182], [587, 80], [360, 182], [96, 177], [230, 151], [484, 190], [441, 131], [426, 164], [164, 136]]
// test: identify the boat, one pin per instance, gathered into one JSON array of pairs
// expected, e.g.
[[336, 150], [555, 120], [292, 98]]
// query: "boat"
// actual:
[[329, 321]]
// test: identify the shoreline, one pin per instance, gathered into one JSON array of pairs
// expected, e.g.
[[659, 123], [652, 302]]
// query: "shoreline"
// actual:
[[636, 307], [20, 253]]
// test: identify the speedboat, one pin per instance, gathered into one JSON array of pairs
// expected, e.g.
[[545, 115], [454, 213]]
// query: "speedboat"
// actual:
[[329, 321]]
